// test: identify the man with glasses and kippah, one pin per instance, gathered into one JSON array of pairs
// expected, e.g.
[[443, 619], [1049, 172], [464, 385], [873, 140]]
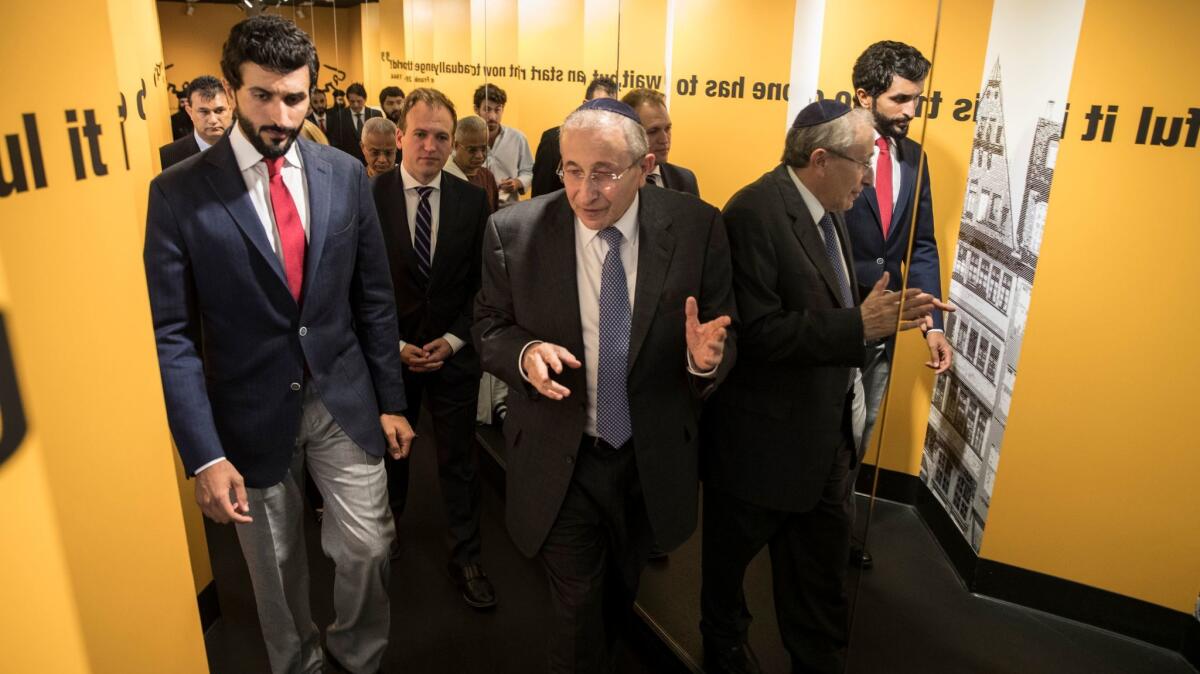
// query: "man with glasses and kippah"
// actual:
[[780, 436], [607, 309]]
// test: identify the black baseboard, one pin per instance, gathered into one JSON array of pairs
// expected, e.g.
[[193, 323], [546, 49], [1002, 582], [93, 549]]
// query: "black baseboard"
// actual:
[[1191, 643], [893, 485], [210, 606]]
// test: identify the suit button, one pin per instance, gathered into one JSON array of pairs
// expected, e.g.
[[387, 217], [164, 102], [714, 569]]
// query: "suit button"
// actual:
[[878, 260], [295, 386], [570, 459], [303, 331]]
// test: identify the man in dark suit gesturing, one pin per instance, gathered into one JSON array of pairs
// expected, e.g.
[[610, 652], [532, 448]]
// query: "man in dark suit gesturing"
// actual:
[[607, 309], [433, 226], [779, 436], [276, 331], [211, 114]]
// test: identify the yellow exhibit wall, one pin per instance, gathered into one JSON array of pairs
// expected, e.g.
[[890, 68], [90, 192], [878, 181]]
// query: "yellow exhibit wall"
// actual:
[[192, 44], [1097, 482], [115, 584]]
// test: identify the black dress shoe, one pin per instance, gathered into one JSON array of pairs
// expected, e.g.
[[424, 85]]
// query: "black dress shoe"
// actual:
[[657, 554], [477, 590], [861, 558], [737, 659]]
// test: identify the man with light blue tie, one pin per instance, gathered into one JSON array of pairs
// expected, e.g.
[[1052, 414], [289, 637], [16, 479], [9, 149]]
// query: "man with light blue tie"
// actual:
[[607, 309]]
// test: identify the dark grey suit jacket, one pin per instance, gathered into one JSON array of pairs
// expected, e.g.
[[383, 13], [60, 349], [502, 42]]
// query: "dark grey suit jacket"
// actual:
[[174, 152], [772, 430], [679, 178], [529, 292]]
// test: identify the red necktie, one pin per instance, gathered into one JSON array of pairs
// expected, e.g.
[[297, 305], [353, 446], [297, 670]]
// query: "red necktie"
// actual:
[[291, 230], [883, 183]]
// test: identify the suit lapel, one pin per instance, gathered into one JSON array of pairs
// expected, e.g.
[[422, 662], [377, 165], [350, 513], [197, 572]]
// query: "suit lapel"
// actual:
[[655, 245], [908, 178], [556, 260], [448, 209], [805, 229], [320, 188], [225, 179], [873, 202]]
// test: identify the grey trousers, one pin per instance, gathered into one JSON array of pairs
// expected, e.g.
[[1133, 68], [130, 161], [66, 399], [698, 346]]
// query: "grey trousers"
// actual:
[[356, 533]]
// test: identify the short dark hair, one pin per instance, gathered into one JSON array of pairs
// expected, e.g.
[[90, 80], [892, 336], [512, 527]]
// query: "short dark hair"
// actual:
[[338, 92], [642, 96], [490, 92], [432, 98], [390, 92], [356, 89], [874, 69], [605, 83], [271, 42], [207, 86]]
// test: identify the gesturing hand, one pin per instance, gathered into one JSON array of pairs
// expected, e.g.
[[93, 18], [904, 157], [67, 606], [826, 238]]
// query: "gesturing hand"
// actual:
[[543, 358], [398, 433], [213, 487], [705, 341], [881, 310]]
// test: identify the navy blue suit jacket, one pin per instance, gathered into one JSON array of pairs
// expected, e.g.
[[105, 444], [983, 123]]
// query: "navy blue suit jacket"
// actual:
[[874, 255], [232, 343]]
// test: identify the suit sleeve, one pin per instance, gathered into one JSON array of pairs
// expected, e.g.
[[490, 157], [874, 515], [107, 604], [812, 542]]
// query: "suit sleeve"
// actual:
[[498, 338], [461, 328], [373, 303], [176, 320], [769, 331], [925, 270], [717, 299], [525, 164]]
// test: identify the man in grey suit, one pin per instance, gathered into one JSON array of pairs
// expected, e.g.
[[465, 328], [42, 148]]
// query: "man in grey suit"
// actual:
[[651, 108], [780, 437], [591, 310], [277, 344]]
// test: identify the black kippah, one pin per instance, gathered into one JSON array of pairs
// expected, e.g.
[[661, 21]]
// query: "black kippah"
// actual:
[[610, 105], [819, 112]]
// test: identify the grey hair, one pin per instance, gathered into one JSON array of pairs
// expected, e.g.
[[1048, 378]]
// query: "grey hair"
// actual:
[[470, 124], [836, 135], [381, 126], [635, 135]]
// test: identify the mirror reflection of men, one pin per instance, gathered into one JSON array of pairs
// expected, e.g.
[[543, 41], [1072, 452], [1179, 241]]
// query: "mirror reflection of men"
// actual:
[[508, 150], [889, 78], [607, 373], [318, 110], [275, 322], [433, 227], [208, 106], [780, 436], [379, 145], [545, 163], [391, 99], [651, 107], [470, 151]]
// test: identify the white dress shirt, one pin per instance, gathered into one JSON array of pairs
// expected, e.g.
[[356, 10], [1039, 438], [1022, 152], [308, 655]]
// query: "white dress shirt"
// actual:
[[258, 185], [509, 157], [204, 145], [411, 200], [858, 406]]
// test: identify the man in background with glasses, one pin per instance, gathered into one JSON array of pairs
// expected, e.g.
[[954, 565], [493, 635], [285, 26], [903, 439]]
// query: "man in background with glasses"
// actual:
[[780, 437], [470, 151], [607, 309]]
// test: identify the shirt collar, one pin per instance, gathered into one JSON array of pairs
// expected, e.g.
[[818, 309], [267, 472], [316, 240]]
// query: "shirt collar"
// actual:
[[810, 200], [454, 169], [411, 183], [627, 224], [204, 145], [657, 170], [247, 156]]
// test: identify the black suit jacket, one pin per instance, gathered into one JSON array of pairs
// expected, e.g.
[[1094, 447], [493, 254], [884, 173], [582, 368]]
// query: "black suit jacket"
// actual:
[[678, 178], [772, 430], [529, 292], [545, 164], [233, 345], [175, 152], [181, 124], [429, 309], [339, 124], [874, 255]]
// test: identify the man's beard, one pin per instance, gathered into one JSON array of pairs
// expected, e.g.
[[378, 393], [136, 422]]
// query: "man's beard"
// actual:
[[266, 150], [891, 128], [394, 116]]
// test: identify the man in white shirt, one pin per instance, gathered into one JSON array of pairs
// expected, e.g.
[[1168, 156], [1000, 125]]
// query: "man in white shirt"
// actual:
[[509, 157], [276, 331], [211, 114]]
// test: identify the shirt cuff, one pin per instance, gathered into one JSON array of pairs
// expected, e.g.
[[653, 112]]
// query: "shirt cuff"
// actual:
[[691, 368], [454, 342], [521, 359], [208, 465], [934, 330]]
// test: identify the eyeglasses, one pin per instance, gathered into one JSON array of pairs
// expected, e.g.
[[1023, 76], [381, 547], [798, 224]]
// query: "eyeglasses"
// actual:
[[865, 164], [599, 180]]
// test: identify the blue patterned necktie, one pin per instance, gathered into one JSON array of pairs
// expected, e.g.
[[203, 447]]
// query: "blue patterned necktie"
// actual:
[[834, 254], [423, 241], [613, 422]]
